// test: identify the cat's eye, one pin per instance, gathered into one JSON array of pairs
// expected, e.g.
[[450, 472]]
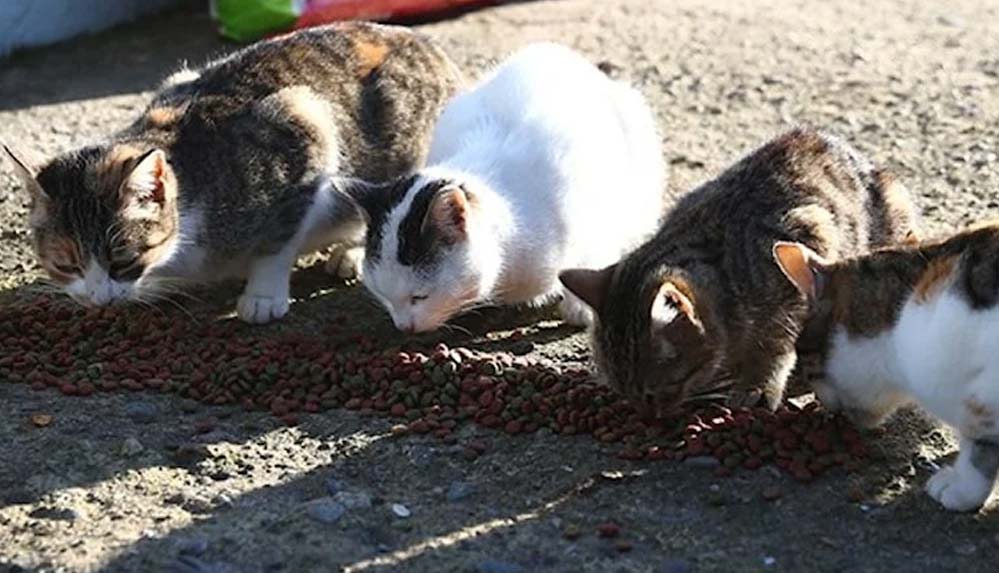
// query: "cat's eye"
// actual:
[[417, 298]]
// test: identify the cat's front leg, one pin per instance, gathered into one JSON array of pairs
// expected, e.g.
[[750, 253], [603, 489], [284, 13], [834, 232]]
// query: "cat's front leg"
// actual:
[[345, 261], [265, 297], [966, 485], [761, 380]]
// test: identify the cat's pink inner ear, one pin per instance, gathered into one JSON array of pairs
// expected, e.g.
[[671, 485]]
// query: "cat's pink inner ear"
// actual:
[[671, 303], [150, 180], [589, 285], [795, 261], [26, 173], [449, 212]]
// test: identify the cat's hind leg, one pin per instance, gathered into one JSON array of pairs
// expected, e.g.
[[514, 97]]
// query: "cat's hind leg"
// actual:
[[345, 261], [966, 485]]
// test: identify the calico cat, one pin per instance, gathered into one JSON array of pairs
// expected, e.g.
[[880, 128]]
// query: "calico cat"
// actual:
[[231, 169], [547, 163], [916, 323], [701, 307]]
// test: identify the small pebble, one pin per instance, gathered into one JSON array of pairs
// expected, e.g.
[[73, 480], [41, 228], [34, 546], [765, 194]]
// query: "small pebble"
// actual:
[[325, 510], [131, 446], [194, 546], [522, 347], [401, 510], [769, 561], [572, 533], [677, 566], [459, 490], [772, 493], [493, 566], [54, 513], [141, 412], [353, 499]]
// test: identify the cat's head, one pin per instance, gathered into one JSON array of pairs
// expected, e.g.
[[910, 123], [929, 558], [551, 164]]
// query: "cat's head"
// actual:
[[101, 218], [652, 337], [421, 259], [867, 402]]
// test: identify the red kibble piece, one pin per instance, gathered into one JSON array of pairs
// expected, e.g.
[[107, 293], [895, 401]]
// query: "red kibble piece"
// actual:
[[67, 389], [608, 529], [513, 427], [398, 410]]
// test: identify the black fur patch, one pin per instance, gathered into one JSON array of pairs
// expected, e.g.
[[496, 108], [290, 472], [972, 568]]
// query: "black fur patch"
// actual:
[[418, 246], [378, 201]]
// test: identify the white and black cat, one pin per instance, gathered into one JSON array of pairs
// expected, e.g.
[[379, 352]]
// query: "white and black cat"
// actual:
[[915, 323], [545, 164], [230, 169]]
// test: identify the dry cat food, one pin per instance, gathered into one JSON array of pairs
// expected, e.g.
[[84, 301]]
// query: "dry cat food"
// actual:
[[50, 344]]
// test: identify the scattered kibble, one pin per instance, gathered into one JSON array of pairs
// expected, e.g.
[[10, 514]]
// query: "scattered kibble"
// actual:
[[48, 343]]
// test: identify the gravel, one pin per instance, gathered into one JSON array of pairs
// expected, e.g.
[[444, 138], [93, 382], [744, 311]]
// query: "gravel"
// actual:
[[325, 510]]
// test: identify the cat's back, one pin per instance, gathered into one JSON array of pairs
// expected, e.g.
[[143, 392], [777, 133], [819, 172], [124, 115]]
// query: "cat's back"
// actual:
[[543, 86], [946, 332], [334, 59]]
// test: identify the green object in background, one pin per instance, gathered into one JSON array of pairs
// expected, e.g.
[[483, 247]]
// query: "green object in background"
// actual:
[[249, 20]]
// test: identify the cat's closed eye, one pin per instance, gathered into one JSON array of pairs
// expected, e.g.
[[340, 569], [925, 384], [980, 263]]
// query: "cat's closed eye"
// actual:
[[67, 269], [417, 298]]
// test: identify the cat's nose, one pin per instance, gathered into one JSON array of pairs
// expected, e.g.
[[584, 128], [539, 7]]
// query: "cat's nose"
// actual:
[[407, 326]]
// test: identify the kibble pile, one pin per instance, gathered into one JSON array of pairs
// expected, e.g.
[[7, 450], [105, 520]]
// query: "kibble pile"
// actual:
[[48, 343]]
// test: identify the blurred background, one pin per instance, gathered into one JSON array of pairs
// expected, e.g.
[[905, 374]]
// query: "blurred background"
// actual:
[[29, 23]]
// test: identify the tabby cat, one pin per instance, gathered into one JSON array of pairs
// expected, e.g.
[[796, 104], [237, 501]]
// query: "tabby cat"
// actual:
[[232, 169], [701, 308], [914, 323]]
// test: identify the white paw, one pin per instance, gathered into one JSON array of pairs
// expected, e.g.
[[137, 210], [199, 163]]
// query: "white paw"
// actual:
[[958, 491], [574, 312], [261, 309], [345, 262]]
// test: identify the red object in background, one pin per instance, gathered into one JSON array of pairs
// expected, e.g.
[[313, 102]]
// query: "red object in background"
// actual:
[[319, 12]]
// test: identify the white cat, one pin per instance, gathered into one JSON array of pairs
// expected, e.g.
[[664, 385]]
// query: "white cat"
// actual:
[[915, 323], [546, 164]]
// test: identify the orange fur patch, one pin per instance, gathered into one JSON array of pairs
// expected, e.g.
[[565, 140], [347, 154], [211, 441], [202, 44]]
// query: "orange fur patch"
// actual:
[[934, 278], [370, 55], [163, 116]]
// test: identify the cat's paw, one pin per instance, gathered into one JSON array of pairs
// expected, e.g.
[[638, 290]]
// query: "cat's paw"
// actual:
[[959, 491], [345, 262], [574, 312], [261, 309]]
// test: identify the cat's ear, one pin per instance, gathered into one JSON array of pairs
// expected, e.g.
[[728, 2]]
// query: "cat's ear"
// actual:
[[448, 213], [149, 187], [365, 197], [671, 306], [589, 285], [802, 266], [26, 173]]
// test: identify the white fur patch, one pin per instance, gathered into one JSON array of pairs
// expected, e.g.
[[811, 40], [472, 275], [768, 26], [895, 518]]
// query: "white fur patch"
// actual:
[[941, 353], [566, 168]]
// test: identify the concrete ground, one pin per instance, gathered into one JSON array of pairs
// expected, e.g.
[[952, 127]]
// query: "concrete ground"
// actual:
[[914, 84]]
